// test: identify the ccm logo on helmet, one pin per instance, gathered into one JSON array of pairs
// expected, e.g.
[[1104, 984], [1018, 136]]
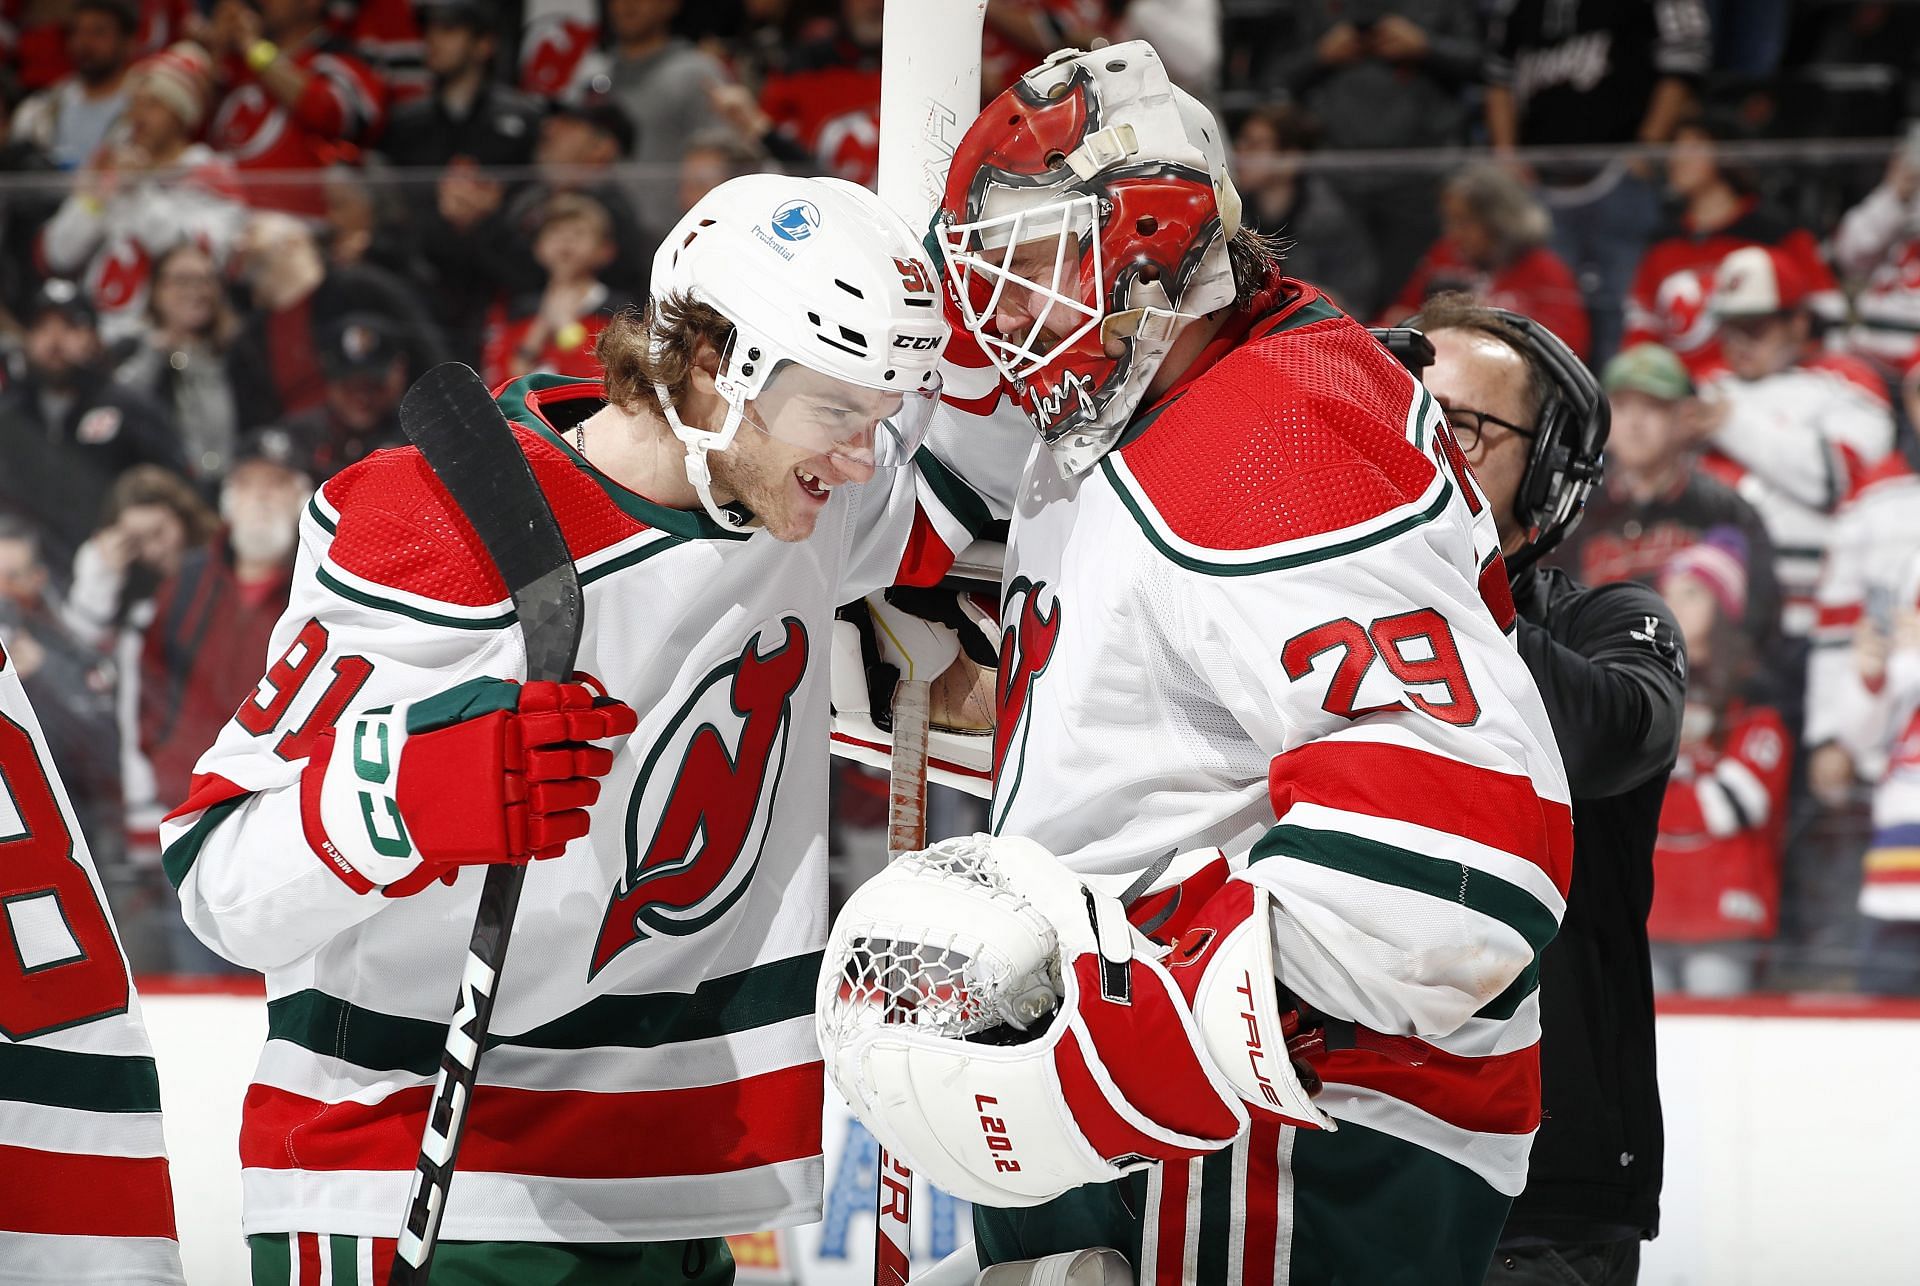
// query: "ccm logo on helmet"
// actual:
[[916, 342], [1256, 1049], [995, 1130]]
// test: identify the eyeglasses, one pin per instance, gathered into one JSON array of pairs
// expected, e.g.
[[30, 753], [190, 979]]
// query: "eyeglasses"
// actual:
[[1468, 425]]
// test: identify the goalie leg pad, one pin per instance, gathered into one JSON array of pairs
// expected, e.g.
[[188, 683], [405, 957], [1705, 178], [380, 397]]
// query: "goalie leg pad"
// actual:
[[1095, 1266]]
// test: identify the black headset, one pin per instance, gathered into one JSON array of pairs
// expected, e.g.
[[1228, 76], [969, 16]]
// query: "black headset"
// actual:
[[1566, 463]]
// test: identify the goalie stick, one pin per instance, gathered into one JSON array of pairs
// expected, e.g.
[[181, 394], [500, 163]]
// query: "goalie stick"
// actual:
[[452, 418]]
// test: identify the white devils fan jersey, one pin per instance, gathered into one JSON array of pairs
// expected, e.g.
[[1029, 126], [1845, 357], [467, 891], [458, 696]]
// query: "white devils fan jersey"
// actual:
[[1272, 619], [652, 1071], [84, 1192]]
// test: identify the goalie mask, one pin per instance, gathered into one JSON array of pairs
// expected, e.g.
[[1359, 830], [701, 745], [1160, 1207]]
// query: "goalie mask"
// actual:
[[1085, 222], [837, 326]]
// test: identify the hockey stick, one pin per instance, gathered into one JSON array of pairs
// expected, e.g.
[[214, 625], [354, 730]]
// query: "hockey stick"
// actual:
[[906, 831], [449, 415]]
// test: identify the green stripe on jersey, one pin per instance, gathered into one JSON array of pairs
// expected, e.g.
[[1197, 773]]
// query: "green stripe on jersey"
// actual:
[[756, 997], [960, 500], [180, 855], [1507, 1003], [86, 1082], [1137, 506], [272, 1256], [345, 1252], [1217, 1224], [1370, 859]]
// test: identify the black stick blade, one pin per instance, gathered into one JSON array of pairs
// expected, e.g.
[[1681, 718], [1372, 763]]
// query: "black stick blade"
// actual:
[[452, 418]]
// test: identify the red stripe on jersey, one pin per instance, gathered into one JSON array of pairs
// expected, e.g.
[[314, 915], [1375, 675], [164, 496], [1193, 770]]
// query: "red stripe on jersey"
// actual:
[[66, 1194], [1266, 1175], [1833, 616], [1169, 1261], [1148, 1019], [1499, 1094], [1895, 875], [383, 1252], [1496, 591], [306, 1259], [206, 790], [560, 1134], [927, 557], [1497, 809]]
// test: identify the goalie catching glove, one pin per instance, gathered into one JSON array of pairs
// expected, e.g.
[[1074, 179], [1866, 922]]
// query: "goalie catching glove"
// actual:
[[488, 771], [999, 1025]]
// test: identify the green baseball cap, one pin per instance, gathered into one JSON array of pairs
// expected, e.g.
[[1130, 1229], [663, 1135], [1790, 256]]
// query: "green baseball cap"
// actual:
[[1648, 368]]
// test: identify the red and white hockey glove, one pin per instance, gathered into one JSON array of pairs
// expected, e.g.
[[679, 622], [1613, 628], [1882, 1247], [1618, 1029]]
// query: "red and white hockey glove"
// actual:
[[999, 1025], [1218, 928], [488, 771]]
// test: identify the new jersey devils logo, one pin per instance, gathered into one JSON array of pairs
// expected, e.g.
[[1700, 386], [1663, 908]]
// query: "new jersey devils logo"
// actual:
[[701, 809], [1026, 646]]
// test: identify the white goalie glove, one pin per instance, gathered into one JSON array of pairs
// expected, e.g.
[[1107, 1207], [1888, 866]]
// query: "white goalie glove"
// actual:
[[1000, 1025]]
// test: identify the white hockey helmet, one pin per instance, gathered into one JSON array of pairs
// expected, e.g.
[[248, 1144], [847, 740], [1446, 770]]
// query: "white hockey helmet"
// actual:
[[838, 329]]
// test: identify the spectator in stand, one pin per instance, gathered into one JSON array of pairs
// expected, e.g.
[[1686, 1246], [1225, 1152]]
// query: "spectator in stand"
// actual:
[[1875, 538], [366, 375], [556, 330], [579, 144], [1792, 429], [1493, 246], [71, 117], [214, 617], [827, 100], [1718, 214], [153, 517], [1595, 72], [1877, 248], [296, 97], [1716, 866], [1329, 246], [181, 358], [661, 83], [70, 684], [1392, 74], [1653, 503], [297, 296], [468, 115], [713, 158], [66, 429], [146, 192]]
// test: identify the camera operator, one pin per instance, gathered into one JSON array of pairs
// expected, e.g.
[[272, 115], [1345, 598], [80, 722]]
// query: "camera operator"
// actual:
[[1610, 665]]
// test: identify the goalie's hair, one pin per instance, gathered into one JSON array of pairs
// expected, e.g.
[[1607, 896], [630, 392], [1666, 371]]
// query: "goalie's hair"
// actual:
[[638, 350], [1256, 259]]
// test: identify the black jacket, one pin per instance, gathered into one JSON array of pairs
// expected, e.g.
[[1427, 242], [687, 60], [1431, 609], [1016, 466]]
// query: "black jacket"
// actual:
[[1611, 668]]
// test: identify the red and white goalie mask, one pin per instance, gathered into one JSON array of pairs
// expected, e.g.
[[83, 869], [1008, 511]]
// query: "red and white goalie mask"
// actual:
[[1085, 222]]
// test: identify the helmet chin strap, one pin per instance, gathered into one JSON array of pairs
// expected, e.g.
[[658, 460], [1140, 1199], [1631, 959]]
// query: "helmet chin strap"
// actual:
[[698, 442]]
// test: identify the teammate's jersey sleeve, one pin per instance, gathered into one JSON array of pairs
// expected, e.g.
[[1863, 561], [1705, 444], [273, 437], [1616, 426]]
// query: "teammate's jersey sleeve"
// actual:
[[86, 1195], [252, 886], [1423, 838]]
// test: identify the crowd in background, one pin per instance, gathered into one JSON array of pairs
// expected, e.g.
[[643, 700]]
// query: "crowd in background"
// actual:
[[232, 231]]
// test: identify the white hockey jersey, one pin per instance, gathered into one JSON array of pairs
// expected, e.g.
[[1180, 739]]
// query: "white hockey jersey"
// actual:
[[84, 1190], [1267, 621], [1794, 445], [652, 1071]]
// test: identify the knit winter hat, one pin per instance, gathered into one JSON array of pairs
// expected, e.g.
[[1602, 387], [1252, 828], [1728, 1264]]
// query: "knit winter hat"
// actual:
[[181, 76], [1718, 561]]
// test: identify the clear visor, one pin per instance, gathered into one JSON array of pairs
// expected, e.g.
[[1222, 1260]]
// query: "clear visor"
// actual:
[[850, 423], [1019, 278]]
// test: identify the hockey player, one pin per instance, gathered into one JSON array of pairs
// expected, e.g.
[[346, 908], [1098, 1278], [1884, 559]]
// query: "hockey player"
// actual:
[[652, 1083], [86, 1195], [1254, 615]]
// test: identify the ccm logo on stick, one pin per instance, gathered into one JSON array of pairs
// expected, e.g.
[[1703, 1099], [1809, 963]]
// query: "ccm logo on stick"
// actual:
[[995, 1128], [1256, 1050]]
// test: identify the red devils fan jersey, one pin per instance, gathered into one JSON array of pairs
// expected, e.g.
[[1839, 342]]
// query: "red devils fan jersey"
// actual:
[[1668, 302], [1272, 620], [656, 1074], [343, 108], [1716, 866], [85, 1195], [834, 112]]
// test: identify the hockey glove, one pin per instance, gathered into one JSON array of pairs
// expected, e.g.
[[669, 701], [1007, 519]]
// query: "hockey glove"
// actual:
[[999, 1025], [488, 771]]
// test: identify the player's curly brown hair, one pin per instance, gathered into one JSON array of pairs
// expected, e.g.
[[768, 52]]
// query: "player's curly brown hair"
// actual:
[[639, 349]]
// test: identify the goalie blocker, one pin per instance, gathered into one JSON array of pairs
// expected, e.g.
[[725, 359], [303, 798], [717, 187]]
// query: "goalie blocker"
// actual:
[[980, 1007]]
